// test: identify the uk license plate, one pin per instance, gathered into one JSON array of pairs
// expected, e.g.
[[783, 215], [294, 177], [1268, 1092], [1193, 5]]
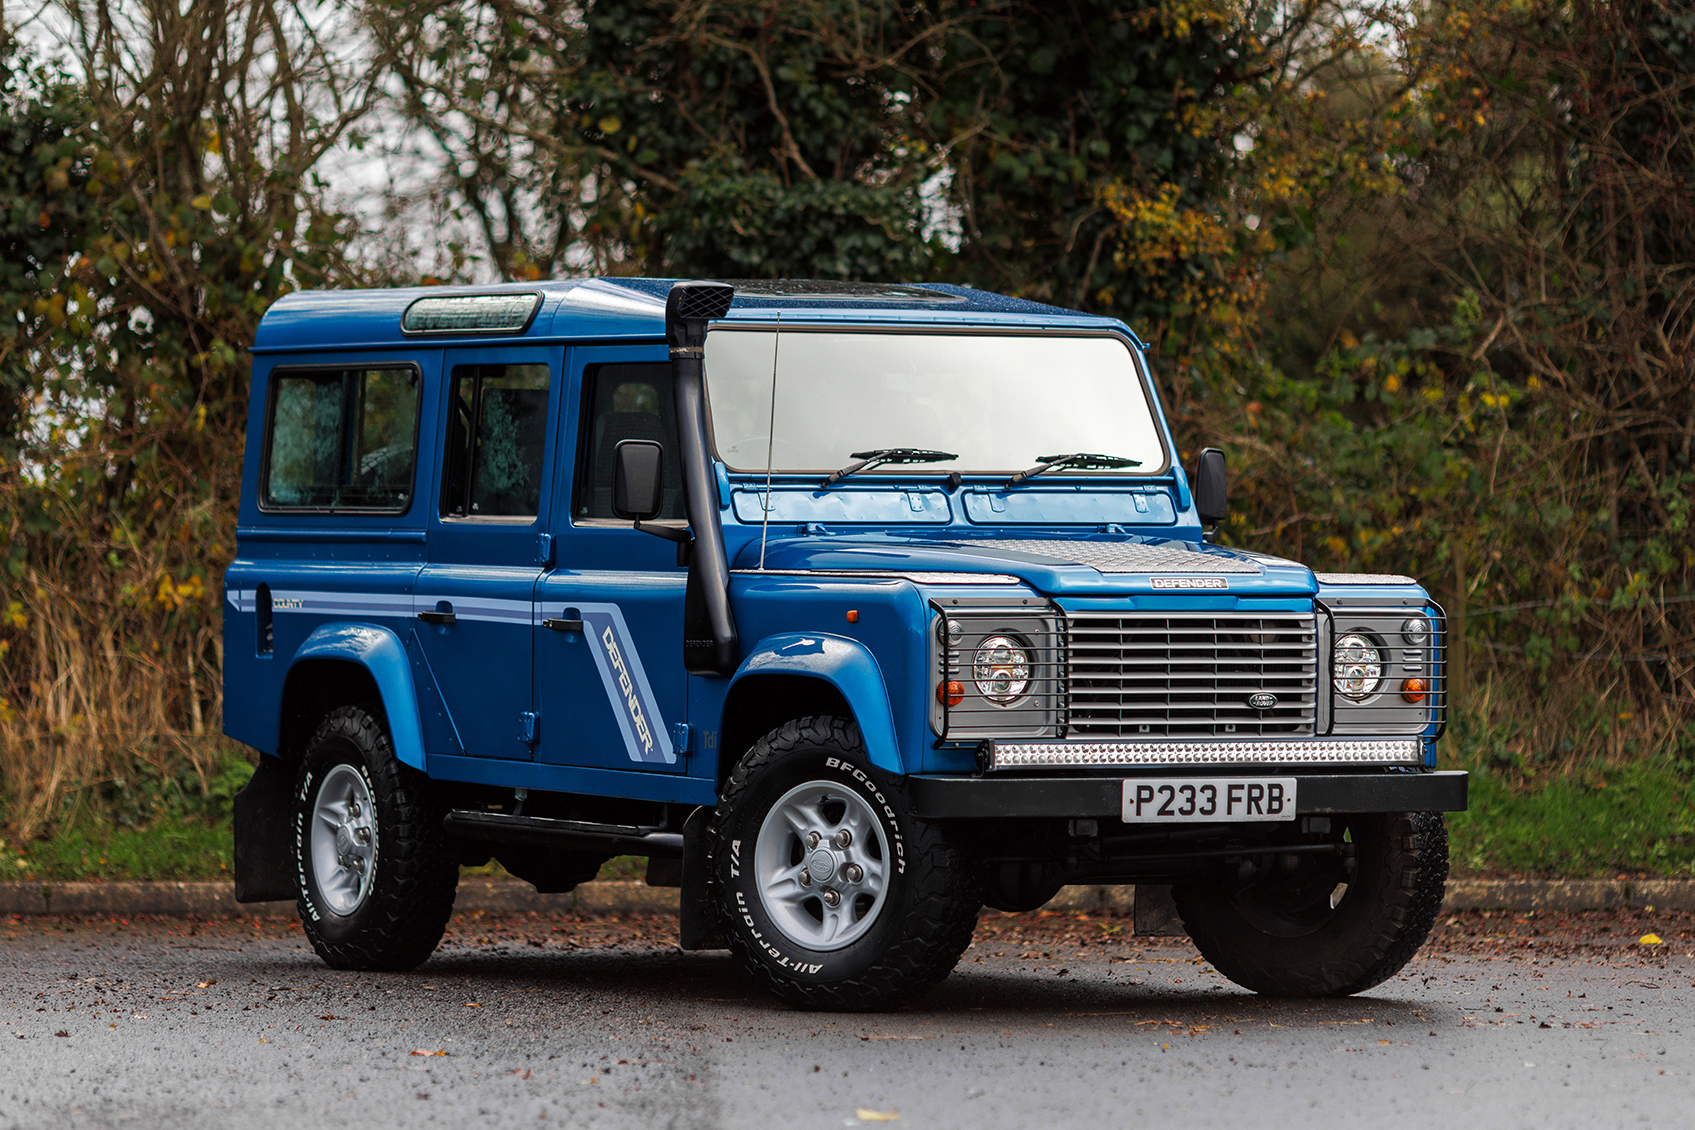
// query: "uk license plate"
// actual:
[[1181, 800]]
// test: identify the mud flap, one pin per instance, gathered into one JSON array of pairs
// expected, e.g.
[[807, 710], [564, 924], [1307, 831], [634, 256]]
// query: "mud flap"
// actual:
[[264, 834], [697, 920]]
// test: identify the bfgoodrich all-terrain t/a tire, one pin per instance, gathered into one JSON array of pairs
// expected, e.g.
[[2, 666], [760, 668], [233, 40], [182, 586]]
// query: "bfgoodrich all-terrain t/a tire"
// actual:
[[375, 873], [829, 892], [1322, 926]]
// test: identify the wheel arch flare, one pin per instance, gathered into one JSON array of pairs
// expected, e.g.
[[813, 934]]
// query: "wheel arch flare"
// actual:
[[845, 666]]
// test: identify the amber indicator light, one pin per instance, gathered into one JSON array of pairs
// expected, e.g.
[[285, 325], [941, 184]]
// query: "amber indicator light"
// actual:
[[853, 615], [951, 692], [1414, 690]]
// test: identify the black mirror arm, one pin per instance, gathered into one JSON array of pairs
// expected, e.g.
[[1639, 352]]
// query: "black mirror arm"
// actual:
[[682, 535]]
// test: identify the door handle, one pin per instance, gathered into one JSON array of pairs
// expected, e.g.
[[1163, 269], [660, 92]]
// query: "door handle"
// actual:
[[439, 617], [559, 625]]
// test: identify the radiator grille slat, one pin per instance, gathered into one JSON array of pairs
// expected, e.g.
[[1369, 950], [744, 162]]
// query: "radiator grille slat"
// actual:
[[1147, 677]]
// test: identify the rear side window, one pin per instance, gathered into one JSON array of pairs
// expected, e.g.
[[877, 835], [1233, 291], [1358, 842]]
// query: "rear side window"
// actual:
[[496, 436], [342, 439], [627, 402]]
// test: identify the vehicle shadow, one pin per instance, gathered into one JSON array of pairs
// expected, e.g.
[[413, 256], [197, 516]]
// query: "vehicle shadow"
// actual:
[[1116, 994]]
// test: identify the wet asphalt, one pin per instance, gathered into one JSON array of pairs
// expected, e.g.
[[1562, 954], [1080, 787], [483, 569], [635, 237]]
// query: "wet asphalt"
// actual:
[[1050, 1020]]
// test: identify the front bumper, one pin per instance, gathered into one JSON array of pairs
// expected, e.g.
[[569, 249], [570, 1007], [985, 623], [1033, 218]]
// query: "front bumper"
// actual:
[[999, 797]]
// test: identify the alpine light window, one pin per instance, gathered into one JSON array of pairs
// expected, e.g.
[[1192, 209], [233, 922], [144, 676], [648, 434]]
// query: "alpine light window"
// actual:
[[471, 314]]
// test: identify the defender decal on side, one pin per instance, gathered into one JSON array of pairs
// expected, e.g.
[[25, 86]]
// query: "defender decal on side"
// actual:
[[646, 736]]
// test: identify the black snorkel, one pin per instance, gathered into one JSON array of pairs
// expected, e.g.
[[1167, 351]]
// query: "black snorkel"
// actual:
[[710, 643]]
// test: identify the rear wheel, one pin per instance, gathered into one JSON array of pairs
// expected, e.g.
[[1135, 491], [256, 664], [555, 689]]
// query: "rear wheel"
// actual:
[[1319, 925], [376, 874], [830, 893]]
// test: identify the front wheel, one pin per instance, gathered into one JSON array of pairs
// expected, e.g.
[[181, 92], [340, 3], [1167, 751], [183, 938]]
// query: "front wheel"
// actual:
[[1324, 925], [830, 894], [376, 873]]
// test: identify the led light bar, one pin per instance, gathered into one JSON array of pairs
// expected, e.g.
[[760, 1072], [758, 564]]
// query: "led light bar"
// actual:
[[1320, 751], [471, 314]]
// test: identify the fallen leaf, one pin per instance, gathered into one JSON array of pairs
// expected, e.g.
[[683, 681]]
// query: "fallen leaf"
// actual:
[[865, 1115], [427, 1051], [61, 1032], [1651, 940], [471, 1004]]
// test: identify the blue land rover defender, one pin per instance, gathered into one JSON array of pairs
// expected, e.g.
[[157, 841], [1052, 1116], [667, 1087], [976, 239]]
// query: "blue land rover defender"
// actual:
[[852, 607]]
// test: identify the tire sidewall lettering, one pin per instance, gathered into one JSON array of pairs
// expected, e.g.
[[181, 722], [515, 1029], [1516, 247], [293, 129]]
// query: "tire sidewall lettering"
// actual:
[[312, 776], [875, 792], [747, 916]]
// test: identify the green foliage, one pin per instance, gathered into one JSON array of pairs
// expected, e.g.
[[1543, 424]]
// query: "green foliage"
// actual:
[[1087, 164], [90, 850], [42, 216], [142, 824], [1634, 818], [171, 208], [1031, 148]]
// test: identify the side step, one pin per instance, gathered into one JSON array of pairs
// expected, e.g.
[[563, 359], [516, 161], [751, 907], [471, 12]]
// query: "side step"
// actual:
[[615, 839]]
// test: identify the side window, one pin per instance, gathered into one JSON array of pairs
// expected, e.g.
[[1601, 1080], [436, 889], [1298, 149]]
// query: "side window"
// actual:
[[341, 439], [495, 438], [626, 402]]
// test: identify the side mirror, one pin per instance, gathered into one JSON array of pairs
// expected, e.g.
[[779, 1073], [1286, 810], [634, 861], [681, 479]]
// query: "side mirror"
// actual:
[[1212, 496], [638, 485]]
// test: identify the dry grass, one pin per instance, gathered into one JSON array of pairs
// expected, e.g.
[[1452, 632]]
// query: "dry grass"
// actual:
[[83, 705]]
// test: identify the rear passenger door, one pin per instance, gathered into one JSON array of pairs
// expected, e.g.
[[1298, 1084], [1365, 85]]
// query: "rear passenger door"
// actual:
[[471, 646], [610, 683]]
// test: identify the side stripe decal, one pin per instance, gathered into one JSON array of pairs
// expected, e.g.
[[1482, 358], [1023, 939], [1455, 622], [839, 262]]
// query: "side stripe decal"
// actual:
[[486, 609], [646, 736]]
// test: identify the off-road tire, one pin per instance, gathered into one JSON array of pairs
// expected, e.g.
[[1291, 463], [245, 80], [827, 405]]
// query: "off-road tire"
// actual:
[[1392, 901], [415, 869], [931, 902]]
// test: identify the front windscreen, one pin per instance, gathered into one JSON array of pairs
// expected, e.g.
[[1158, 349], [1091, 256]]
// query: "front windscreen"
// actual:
[[996, 401]]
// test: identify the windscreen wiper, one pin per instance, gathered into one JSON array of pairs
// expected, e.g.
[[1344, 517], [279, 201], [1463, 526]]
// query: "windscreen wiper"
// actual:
[[1046, 463], [870, 459]]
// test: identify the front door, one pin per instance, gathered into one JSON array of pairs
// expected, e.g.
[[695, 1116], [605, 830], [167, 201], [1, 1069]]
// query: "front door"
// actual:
[[610, 684], [471, 645]]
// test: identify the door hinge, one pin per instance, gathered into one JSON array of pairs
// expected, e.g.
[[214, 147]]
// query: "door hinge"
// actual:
[[544, 549], [527, 723], [680, 738]]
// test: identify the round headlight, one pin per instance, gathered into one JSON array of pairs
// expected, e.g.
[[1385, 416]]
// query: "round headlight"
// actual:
[[1001, 670], [1356, 666], [1416, 630]]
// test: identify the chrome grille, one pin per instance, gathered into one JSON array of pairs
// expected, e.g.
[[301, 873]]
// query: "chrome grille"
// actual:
[[1146, 677]]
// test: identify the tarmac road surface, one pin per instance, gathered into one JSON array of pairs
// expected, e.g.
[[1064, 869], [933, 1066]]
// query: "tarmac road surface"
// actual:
[[1051, 1020]]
